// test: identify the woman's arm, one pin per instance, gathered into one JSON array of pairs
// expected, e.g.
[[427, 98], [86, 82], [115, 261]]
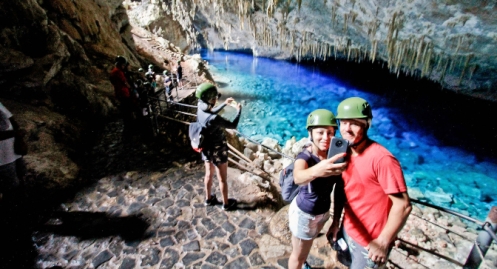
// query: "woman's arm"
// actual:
[[302, 174]]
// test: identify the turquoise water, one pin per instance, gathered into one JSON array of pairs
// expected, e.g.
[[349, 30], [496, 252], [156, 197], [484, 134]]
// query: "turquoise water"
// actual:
[[439, 168]]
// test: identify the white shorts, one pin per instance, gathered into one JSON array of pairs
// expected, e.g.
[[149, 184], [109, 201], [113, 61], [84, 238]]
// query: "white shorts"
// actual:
[[303, 225]]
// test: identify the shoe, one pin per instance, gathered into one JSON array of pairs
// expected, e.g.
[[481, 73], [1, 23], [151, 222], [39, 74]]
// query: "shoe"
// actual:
[[212, 201], [231, 205], [306, 266]]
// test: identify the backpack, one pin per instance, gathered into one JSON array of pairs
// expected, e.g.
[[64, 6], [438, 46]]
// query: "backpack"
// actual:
[[197, 132], [288, 187]]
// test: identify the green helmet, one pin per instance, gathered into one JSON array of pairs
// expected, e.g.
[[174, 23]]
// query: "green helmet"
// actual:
[[354, 108], [140, 70], [205, 91], [150, 66], [165, 72], [321, 117]]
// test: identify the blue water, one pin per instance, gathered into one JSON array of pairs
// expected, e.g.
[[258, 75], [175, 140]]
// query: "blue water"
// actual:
[[278, 95]]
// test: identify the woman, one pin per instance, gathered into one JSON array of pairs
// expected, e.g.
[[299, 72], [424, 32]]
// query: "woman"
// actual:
[[215, 149], [316, 176]]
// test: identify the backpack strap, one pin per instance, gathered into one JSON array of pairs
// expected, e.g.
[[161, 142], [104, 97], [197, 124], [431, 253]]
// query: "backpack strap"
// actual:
[[308, 153]]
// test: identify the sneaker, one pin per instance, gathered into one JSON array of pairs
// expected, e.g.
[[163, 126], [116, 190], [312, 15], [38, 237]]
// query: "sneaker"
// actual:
[[231, 205], [212, 201], [306, 266]]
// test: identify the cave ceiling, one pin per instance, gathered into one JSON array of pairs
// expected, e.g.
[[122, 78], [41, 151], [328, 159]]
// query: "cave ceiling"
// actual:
[[451, 42]]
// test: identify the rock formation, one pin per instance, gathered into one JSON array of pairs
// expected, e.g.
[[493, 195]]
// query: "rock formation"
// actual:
[[450, 42]]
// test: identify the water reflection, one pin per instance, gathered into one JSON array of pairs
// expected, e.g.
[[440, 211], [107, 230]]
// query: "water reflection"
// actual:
[[441, 139]]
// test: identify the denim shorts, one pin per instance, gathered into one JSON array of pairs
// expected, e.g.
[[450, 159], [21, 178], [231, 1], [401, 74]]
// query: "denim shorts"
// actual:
[[303, 225]]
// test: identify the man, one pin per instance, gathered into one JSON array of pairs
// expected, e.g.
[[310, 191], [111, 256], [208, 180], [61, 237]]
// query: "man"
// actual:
[[215, 149], [12, 167], [377, 204], [122, 93]]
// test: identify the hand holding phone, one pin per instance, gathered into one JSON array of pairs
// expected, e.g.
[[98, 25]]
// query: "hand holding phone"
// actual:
[[338, 145]]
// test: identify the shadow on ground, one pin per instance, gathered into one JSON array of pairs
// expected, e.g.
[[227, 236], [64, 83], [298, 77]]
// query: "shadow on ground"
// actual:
[[28, 216]]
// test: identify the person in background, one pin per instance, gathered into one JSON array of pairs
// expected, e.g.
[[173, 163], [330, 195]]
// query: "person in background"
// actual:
[[179, 74], [215, 149], [168, 85], [122, 91], [377, 204], [12, 166], [316, 176]]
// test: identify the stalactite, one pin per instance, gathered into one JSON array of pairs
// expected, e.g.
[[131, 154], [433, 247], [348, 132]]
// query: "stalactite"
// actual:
[[349, 46], [452, 63], [420, 50], [354, 16], [299, 3], [373, 50], [333, 15], [444, 70], [390, 40], [345, 22], [353, 3], [465, 66], [472, 70]]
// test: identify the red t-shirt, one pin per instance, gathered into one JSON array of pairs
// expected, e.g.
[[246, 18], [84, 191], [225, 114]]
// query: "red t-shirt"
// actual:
[[369, 179], [118, 80]]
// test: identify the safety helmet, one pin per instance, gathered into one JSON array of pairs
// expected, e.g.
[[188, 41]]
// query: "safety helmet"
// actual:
[[205, 91], [139, 82], [120, 59], [321, 117], [150, 66], [165, 72], [140, 70], [354, 108]]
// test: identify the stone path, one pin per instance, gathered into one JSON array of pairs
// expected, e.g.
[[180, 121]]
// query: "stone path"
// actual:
[[156, 220]]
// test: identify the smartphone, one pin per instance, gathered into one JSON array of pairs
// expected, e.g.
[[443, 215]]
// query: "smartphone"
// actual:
[[338, 145]]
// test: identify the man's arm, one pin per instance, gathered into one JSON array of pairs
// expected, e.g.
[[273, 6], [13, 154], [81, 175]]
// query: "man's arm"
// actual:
[[397, 217]]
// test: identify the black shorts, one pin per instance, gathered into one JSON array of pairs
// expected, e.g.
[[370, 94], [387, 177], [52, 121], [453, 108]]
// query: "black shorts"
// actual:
[[217, 154]]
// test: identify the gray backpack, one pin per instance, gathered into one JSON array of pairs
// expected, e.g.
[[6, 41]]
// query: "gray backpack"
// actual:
[[288, 187], [197, 132]]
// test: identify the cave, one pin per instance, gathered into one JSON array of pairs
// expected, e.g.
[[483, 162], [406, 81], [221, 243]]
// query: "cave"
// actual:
[[91, 199]]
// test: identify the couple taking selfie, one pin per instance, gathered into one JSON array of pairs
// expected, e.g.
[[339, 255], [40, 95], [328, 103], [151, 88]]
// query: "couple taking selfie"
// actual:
[[369, 186]]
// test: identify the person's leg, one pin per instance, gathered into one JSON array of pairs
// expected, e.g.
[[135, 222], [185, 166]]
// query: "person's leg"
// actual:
[[209, 173], [222, 176], [299, 253]]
